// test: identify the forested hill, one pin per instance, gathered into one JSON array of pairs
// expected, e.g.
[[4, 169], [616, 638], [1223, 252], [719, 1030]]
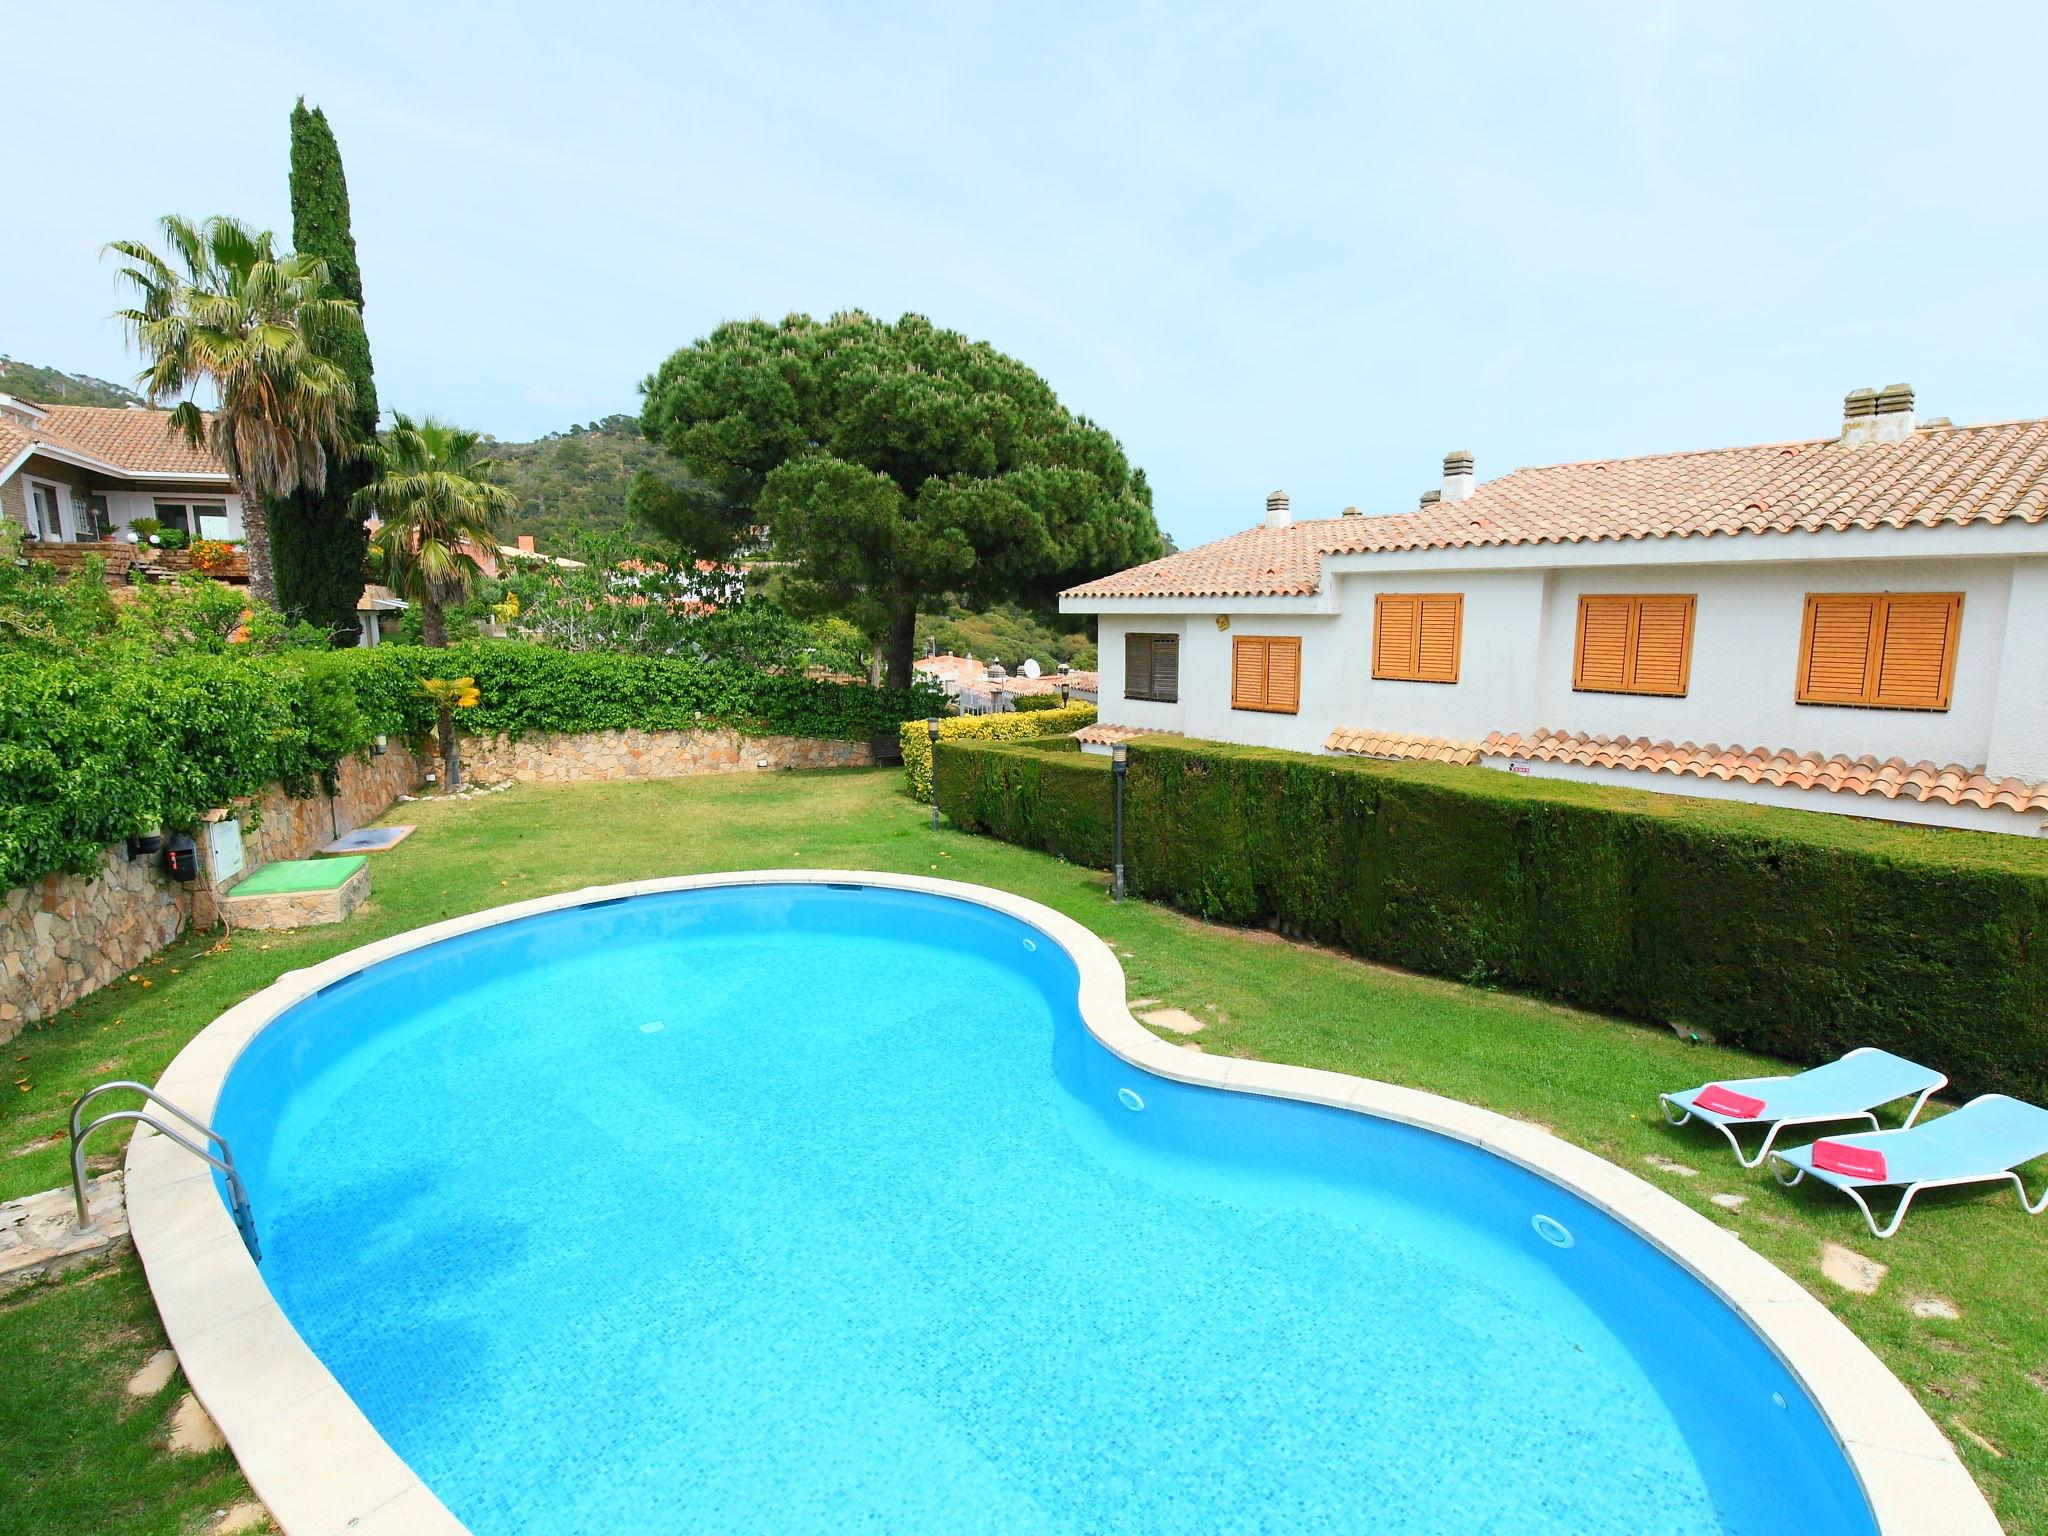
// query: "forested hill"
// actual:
[[575, 481], [47, 386]]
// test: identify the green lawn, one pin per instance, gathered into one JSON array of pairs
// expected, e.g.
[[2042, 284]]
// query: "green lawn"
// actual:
[[1591, 1079]]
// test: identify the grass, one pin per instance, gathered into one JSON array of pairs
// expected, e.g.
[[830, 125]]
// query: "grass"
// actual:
[[1591, 1079]]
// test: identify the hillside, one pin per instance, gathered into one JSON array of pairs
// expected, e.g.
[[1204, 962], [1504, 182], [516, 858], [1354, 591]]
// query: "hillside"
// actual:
[[47, 386], [574, 482]]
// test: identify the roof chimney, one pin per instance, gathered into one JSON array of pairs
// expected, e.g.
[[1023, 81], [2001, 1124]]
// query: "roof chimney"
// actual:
[[1877, 415], [1277, 515], [1895, 413], [526, 544], [1431, 498], [1457, 475]]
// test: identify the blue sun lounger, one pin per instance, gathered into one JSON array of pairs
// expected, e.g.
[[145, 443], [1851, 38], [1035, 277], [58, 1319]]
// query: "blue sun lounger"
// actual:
[[1981, 1143], [1848, 1089]]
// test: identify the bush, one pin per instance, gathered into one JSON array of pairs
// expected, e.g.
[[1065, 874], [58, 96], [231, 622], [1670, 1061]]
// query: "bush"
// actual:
[[1046, 794], [1798, 934], [94, 750], [1026, 703], [917, 745]]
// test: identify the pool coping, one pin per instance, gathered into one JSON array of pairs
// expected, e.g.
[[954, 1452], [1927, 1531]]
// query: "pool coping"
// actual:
[[323, 1470]]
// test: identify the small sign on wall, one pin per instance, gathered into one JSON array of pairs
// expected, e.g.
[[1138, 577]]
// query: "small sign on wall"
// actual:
[[224, 849]]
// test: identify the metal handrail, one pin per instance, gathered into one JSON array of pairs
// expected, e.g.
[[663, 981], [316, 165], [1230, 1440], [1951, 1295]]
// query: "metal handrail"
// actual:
[[238, 1195]]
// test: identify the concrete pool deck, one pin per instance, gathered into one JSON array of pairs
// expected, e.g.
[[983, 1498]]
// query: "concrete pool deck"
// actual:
[[323, 1469]]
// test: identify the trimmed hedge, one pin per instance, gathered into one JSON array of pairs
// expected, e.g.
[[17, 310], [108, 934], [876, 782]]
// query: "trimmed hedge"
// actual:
[[917, 746], [1046, 794], [92, 752], [1797, 934]]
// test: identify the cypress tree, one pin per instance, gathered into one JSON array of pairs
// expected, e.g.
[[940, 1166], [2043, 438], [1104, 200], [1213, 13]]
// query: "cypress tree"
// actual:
[[318, 544]]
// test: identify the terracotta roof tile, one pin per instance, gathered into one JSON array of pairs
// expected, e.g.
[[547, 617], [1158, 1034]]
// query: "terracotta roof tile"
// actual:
[[139, 443], [1893, 777], [1104, 735], [1940, 475], [1420, 749]]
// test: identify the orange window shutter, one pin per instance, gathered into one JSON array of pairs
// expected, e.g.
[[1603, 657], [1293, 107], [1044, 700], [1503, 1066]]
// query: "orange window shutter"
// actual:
[[1395, 627], [1248, 672], [1916, 650], [1603, 645], [1837, 649], [1660, 659], [1283, 675], [1439, 621]]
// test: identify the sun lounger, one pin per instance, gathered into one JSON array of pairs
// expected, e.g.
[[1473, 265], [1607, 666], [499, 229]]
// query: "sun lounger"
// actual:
[[1982, 1143], [1848, 1089]]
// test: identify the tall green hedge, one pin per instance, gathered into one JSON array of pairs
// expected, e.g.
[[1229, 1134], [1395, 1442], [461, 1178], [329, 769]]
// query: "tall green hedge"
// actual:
[[92, 752], [1046, 794], [917, 741], [1794, 933]]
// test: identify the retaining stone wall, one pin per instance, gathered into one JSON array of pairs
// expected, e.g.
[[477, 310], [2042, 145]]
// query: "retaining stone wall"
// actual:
[[67, 935], [594, 756]]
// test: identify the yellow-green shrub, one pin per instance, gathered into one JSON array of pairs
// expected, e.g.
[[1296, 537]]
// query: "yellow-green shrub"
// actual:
[[917, 746]]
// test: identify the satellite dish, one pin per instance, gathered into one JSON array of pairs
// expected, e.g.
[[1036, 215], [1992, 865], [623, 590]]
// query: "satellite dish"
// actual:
[[1030, 667]]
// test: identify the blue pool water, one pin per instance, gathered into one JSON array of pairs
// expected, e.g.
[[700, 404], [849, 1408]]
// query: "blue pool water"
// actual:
[[795, 1209]]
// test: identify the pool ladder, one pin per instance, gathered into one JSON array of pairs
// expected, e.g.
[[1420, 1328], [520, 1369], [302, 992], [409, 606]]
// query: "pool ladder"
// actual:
[[238, 1197]]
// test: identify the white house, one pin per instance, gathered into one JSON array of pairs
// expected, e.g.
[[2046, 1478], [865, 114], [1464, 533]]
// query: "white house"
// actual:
[[1857, 623], [73, 473]]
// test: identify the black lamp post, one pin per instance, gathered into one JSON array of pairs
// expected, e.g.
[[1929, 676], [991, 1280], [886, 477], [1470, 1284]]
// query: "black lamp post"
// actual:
[[931, 729], [1119, 765]]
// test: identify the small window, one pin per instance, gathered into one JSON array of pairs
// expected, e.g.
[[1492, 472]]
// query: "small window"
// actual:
[[1634, 645], [1416, 636], [175, 514], [45, 517], [1265, 673], [210, 519], [1152, 668], [1886, 650]]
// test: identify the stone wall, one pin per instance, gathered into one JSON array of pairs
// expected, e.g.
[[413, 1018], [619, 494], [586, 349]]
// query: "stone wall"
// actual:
[[68, 935], [594, 756]]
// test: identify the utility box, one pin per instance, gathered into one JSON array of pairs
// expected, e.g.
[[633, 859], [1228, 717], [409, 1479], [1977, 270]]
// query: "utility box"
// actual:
[[224, 849]]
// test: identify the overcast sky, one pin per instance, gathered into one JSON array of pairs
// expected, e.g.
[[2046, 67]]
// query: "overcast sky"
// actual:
[[1298, 248]]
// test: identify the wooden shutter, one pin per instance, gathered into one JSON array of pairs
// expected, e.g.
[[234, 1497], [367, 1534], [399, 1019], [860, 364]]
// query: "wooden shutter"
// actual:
[[1889, 650], [1416, 636], [1630, 644], [1441, 618], [1265, 673], [1152, 667], [1602, 664]]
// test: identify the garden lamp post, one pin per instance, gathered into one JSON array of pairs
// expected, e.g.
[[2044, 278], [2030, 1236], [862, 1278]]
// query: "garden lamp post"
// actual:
[[1119, 764], [931, 729]]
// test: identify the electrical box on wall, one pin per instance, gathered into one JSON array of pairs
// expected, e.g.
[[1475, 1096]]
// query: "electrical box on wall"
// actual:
[[224, 849]]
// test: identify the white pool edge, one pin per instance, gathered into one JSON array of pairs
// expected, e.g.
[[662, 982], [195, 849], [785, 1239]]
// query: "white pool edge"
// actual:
[[323, 1470]]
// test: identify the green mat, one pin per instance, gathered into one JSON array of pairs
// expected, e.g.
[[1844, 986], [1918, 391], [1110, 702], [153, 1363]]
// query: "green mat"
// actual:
[[287, 876]]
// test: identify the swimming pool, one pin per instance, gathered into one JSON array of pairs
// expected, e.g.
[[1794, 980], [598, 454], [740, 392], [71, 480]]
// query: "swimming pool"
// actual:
[[820, 1207]]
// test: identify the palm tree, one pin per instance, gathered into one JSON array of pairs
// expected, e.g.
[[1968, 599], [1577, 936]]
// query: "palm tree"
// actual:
[[257, 329], [436, 503]]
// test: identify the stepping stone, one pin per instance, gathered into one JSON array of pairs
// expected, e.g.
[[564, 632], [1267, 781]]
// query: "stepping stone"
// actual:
[[246, 1516], [155, 1374], [192, 1432], [1850, 1270], [1179, 1020], [39, 1234], [1935, 1309], [1665, 1165], [1731, 1202], [369, 840], [1143, 1002]]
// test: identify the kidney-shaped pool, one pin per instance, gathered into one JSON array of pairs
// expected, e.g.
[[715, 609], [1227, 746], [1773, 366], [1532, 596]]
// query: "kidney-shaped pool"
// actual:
[[806, 1208]]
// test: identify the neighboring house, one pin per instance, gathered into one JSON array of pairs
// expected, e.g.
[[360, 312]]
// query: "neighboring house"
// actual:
[[74, 473], [1857, 623], [987, 688]]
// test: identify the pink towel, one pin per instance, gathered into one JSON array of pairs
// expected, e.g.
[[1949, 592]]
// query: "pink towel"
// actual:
[[1856, 1162], [1726, 1101]]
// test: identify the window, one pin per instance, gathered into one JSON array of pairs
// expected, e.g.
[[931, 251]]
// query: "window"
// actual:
[[175, 514], [45, 519], [1633, 645], [94, 522], [1415, 636], [1265, 673], [211, 519], [1887, 650], [1152, 668]]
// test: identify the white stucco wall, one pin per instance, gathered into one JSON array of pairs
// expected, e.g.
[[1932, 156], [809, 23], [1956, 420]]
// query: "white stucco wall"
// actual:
[[1519, 634], [123, 507]]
